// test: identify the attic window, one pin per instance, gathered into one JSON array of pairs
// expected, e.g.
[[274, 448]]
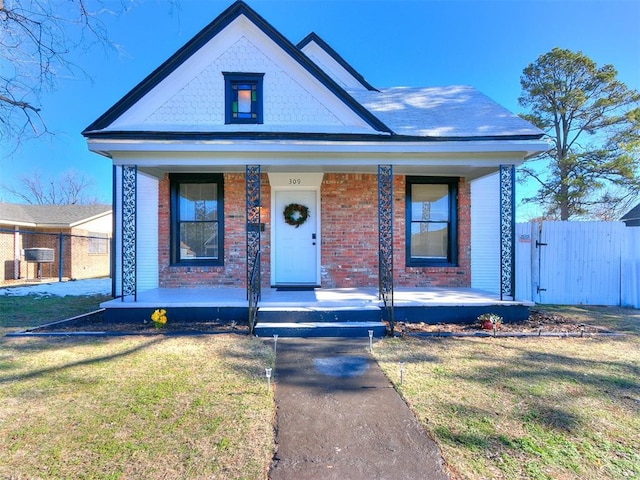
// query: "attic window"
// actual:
[[243, 97]]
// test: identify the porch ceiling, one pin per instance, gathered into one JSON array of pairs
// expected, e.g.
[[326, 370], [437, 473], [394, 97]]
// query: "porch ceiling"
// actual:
[[468, 172]]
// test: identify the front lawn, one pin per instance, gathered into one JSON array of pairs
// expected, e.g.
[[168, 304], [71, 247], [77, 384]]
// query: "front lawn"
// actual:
[[25, 311], [198, 407], [135, 407], [528, 408]]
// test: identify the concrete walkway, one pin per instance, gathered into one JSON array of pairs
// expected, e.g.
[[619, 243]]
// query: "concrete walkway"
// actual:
[[338, 417]]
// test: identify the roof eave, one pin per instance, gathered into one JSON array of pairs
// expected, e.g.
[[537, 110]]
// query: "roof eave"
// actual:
[[137, 135], [17, 223]]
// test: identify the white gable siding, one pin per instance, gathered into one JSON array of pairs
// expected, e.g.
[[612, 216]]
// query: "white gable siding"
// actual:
[[147, 237], [485, 233], [193, 98], [147, 232], [202, 101], [332, 68]]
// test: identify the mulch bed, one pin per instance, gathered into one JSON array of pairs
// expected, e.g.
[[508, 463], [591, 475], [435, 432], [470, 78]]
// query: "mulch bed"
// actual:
[[538, 322], [96, 323]]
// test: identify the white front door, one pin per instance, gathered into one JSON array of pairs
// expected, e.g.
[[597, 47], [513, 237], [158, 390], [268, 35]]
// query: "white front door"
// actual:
[[295, 249]]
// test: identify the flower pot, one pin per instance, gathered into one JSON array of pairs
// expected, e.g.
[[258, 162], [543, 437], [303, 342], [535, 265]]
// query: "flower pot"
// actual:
[[486, 325]]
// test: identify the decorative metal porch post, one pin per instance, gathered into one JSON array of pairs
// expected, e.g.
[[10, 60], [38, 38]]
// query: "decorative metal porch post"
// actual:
[[129, 231], [385, 240], [252, 185], [507, 231]]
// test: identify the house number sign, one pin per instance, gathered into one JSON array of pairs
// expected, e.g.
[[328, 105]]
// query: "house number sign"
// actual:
[[306, 180]]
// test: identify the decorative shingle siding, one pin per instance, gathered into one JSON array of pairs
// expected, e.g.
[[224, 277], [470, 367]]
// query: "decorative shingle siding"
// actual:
[[202, 101], [349, 237]]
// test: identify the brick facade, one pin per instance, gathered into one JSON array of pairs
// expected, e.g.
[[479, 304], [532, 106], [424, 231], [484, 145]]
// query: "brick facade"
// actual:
[[349, 237]]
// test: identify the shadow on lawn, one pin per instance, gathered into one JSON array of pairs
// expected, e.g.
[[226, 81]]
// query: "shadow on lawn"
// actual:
[[7, 376], [550, 386], [543, 365]]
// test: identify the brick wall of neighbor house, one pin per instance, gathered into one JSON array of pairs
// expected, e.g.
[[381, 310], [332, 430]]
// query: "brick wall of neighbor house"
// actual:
[[78, 261], [7, 256], [90, 254], [349, 237]]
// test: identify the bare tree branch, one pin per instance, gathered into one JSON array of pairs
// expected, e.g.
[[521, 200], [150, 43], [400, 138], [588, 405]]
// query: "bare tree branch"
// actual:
[[70, 188], [37, 38]]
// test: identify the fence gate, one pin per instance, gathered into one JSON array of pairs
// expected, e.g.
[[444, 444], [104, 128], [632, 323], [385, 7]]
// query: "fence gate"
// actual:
[[576, 263]]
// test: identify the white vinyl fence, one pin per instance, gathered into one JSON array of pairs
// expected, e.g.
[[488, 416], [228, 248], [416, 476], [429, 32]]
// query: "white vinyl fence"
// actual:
[[578, 263]]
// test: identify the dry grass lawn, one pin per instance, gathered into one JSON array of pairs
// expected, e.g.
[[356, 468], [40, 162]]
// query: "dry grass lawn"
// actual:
[[164, 407], [135, 407], [540, 408]]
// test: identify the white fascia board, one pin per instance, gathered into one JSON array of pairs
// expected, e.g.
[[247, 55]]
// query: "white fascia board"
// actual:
[[266, 148], [89, 219], [324, 163], [17, 223]]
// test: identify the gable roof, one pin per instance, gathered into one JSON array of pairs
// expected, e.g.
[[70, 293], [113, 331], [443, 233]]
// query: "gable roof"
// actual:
[[237, 9], [397, 114], [313, 38], [64, 216]]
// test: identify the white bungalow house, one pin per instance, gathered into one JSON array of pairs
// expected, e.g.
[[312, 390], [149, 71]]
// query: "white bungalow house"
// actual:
[[246, 165]]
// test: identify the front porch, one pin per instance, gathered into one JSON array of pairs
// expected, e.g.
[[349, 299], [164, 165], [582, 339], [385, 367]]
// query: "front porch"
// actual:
[[316, 312]]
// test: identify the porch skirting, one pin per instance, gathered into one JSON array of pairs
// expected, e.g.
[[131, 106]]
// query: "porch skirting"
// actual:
[[428, 305]]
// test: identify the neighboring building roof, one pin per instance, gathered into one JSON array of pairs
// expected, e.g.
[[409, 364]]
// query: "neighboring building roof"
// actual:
[[632, 217], [66, 216]]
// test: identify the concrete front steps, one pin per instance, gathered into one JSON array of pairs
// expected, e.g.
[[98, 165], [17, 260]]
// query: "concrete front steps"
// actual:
[[305, 322]]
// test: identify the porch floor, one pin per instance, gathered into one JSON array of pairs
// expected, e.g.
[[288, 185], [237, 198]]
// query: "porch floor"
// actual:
[[319, 312], [319, 298]]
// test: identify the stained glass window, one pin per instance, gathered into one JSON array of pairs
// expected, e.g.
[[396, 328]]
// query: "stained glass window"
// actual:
[[243, 97]]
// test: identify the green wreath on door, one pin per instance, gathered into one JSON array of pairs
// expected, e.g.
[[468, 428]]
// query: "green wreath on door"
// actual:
[[295, 214]]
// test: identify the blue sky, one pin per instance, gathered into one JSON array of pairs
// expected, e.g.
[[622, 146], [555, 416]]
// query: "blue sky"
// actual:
[[485, 44]]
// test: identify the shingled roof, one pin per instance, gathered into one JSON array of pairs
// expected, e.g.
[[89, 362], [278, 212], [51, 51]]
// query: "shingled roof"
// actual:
[[450, 112], [632, 217], [427, 114], [63, 216]]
